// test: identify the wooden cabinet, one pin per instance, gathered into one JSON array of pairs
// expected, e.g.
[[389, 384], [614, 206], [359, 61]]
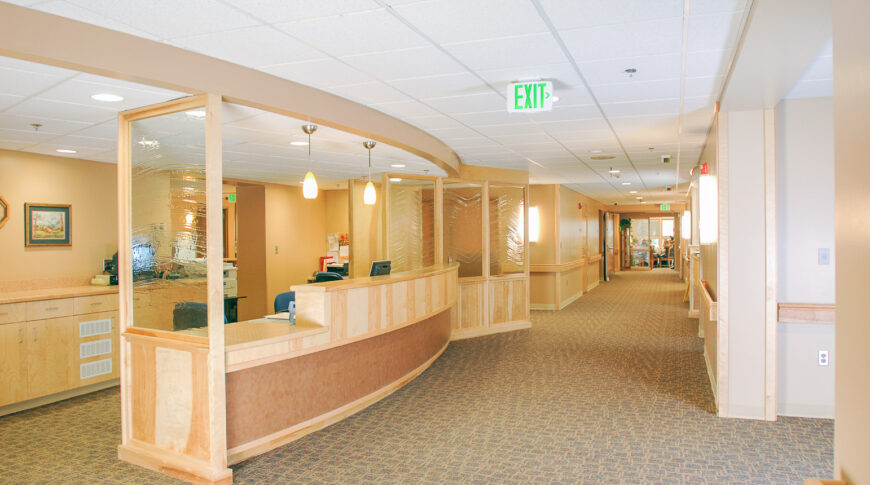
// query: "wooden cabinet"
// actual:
[[49, 349], [13, 363], [50, 346]]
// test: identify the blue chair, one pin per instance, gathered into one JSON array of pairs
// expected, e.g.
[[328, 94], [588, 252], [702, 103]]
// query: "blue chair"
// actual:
[[327, 276], [282, 301], [190, 314]]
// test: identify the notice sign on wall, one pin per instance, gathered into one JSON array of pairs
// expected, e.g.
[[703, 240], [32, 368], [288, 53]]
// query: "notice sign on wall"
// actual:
[[530, 97]]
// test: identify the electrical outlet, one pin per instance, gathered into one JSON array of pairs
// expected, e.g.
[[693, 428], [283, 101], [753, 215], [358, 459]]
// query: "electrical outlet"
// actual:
[[823, 357], [824, 256]]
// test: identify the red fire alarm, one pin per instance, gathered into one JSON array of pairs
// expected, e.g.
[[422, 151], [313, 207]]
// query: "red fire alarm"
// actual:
[[579, 206], [705, 169]]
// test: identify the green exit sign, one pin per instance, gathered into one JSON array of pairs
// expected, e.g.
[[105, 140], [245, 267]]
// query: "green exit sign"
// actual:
[[231, 197], [530, 97], [665, 207]]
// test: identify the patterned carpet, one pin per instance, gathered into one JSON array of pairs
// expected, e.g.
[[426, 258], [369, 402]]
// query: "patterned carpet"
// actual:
[[612, 389]]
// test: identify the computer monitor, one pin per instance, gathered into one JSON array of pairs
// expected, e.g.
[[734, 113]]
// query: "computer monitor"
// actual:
[[380, 268]]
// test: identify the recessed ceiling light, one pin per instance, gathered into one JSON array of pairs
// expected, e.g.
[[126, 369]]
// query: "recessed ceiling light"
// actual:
[[64, 150], [632, 191], [107, 97], [603, 157], [395, 179], [595, 151], [398, 165], [299, 143], [613, 170], [197, 114], [626, 183], [639, 198]]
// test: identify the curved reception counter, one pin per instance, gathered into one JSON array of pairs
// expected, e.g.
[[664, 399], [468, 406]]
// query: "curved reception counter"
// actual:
[[355, 341]]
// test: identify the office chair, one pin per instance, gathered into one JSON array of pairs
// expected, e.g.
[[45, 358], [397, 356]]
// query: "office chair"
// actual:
[[282, 301], [190, 314], [327, 276]]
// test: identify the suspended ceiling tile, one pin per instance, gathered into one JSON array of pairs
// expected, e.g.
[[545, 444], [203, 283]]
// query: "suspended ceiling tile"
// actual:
[[434, 122], [87, 15], [322, 73], [815, 88], [451, 21], [406, 109], [45, 109], [638, 91], [571, 14], [253, 46], [708, 63], [371, 93], [79, 91], [407, 63], [649, 68], [24, 83], [457, 84], [714, 31], [278, 11], [7, 100], [355, 33], [508, 53], [567, 113], [473, 103]]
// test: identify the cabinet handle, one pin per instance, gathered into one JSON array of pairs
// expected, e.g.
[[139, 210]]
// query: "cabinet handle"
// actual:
[[34, 335], [20, 335], [96, 303], [51, 308]]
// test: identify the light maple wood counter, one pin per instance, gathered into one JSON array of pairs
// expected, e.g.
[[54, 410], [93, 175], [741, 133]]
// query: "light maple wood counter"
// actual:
[[55, 293]]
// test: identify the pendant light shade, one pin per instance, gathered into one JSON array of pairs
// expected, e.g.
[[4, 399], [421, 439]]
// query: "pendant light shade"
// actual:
[[309, 186], [369, 194]]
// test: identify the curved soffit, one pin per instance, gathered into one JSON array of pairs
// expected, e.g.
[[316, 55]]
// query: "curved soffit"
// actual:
[[48, 39]]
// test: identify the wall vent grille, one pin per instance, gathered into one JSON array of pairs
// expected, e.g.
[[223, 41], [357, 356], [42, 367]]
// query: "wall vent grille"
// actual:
[[96, 368]]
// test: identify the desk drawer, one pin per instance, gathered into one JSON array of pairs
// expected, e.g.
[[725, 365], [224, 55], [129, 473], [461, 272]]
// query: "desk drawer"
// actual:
[[43, 309], [96, 303], [12, 312]]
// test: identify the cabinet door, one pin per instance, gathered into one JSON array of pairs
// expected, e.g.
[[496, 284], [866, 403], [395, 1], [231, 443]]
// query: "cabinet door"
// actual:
[[49, 346], [13, 363]]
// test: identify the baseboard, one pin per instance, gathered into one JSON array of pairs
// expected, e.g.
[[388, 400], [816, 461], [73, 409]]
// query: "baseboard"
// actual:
[[799, 410], [498, 328], [570, 300], [712, 378], [182, 467], [52, 398], [595, 285], [542, 306], [293, 433]]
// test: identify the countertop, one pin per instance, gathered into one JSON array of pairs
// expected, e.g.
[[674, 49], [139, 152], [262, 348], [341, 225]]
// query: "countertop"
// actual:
[[53, 293]]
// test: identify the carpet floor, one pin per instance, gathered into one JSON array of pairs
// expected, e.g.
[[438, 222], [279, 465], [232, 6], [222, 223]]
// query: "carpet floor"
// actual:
[[612, 389]]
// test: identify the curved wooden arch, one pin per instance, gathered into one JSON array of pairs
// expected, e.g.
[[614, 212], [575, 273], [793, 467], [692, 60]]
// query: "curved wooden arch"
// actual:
[[35, 36]]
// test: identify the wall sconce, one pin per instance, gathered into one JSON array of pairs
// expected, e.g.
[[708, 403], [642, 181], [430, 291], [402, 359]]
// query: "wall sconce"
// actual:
[[534, 224], [708, 222]]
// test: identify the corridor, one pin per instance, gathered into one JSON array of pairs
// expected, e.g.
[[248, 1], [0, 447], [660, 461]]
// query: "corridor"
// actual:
[[611, 389]]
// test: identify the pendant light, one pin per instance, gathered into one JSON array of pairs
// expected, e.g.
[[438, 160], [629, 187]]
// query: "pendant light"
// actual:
[[309, 184], [369, 194]]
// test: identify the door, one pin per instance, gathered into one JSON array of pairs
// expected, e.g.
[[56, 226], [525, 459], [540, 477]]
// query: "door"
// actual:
[[13, 363], [49, 347]]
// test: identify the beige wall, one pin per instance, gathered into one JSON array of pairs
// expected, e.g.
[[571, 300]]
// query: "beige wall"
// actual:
[[337, 220], [295, 238], [89, 187], [572, 226], [852, 231], [366, 228]]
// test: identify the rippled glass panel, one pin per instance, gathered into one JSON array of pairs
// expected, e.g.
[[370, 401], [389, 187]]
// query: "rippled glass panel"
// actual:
[[507, 245], [168, 222], [640, 234], [412, 224], [463, 227]]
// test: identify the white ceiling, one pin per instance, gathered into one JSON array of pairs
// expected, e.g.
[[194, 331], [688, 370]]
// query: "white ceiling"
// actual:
[[443, 65]]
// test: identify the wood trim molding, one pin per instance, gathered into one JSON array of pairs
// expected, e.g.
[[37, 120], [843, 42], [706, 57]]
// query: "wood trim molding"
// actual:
[[709, 302], [806, 313], [557, 268], [369, 281], [497, 328]]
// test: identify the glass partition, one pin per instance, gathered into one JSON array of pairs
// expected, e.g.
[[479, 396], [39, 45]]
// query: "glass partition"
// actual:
[[640, 243], [463, 227], [507, 246], [412, 224], [168, 219]]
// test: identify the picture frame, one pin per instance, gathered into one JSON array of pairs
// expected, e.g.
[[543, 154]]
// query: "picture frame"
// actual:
[[47, 225], [4, 212]]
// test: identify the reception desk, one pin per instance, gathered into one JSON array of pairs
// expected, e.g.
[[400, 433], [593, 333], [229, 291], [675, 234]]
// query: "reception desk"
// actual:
[[355, 342]]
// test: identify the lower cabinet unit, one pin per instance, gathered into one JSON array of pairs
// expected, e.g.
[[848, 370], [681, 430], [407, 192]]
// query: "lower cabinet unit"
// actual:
[[60, 345]]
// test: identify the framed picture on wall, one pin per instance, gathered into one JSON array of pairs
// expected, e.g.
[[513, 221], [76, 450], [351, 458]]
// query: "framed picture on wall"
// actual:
[[4, 211], [47, 225]]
